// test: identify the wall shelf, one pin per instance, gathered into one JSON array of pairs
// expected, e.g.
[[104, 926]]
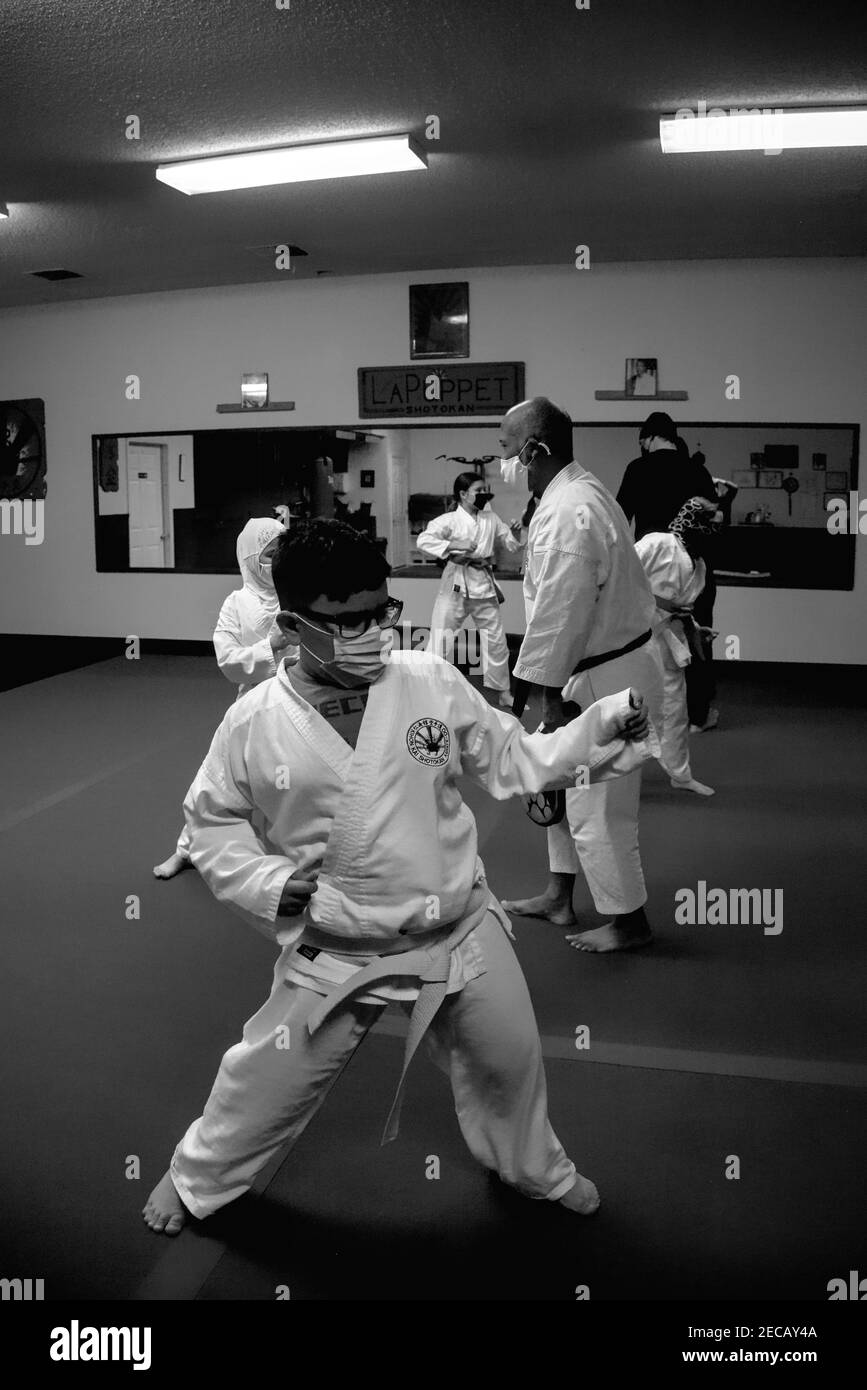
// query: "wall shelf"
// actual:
[[233, 409], [660, 396]]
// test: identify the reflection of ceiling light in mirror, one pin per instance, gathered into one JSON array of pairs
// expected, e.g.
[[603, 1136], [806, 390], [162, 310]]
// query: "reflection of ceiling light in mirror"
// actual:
[[334, 159], [4, 211], [454, 318], [765, 128]]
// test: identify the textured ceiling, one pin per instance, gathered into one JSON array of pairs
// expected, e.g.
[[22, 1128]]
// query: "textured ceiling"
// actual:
[[549, 134]]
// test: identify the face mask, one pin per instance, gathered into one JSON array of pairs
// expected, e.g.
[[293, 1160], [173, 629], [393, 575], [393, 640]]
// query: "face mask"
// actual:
[[482, 499], [348, 661], [510, 468]]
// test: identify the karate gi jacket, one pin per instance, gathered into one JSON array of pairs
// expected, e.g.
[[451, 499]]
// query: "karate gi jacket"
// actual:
[[398, 846], [486, 529], [585, 591], [675, 579]]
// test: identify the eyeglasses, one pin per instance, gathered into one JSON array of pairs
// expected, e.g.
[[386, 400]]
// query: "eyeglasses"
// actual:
[[356, 624]]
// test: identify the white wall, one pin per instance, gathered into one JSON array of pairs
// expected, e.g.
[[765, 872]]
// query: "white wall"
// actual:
[[794, 331]]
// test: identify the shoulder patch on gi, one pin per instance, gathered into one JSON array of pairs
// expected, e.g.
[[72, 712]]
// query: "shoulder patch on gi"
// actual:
[[428, 741]]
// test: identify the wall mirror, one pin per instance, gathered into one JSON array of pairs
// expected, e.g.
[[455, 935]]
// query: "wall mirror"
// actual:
[[174, 502]]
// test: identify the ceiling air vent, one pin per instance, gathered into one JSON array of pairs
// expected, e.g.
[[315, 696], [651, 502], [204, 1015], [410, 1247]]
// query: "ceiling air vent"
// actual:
[[55, 274]]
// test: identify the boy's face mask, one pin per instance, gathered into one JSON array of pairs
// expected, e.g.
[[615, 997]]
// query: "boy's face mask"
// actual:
[[347, 661]]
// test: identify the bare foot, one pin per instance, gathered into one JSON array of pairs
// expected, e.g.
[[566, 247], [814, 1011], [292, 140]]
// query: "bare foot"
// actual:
[[175, 864], [551, 909], [164, 1211], [610, 937], [692, 785], [583, 1197]]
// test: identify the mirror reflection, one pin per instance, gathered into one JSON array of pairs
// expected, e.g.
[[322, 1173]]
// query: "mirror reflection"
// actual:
[[177, 501]]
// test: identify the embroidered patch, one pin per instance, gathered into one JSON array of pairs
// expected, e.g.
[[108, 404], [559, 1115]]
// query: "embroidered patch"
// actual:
[[428, 741], [308, 952]]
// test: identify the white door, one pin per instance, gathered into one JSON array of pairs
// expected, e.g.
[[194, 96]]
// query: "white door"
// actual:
[[144, 471]]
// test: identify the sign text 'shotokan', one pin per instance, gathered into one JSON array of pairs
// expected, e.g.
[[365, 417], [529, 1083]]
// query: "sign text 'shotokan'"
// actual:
[[468, 388]]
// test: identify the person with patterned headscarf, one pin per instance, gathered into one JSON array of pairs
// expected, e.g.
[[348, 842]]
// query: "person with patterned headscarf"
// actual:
[[247, 639], [674, 563]]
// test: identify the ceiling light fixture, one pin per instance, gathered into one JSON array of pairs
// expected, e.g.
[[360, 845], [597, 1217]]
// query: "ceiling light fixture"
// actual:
[[761, 128], [333, 159]]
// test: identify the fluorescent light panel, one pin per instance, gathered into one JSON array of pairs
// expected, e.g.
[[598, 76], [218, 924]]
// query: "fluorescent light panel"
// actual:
[[334, 159], [765, 128]]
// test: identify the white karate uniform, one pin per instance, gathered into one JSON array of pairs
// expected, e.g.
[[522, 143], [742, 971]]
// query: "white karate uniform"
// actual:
[[241, 638], [586, 594], [399, 867], [673, 577], [467, 592]]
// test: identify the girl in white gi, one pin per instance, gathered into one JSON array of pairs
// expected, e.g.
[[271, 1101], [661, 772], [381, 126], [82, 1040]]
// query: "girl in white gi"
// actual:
[[366, 873], [676, 573], [247, 640], [466, 539]]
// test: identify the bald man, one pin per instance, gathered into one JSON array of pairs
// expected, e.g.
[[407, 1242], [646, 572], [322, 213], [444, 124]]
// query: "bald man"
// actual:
[[589, 613]]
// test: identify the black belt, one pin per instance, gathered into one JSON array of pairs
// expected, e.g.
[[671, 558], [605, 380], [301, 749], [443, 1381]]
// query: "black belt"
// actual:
[[522, 690], [590, 661]]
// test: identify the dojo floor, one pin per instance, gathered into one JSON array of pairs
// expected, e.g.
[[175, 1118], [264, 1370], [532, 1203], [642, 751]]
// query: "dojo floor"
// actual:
[[721, 1041]]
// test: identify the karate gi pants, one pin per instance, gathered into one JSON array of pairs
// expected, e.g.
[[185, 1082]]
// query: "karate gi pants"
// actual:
[[700, 678], [674, 733], [599, 832], [484, 1038], [450, 613]]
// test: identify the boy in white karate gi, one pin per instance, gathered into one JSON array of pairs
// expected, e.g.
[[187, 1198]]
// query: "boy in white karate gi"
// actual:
[[365, 871], [676, 572]]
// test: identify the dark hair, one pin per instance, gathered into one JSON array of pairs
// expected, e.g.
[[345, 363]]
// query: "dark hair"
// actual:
[[659, 425], [325, 557], [463, 482]]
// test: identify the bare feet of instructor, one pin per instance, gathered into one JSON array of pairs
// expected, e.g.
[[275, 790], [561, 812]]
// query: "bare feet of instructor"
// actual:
[[164, 1211], [549, 906], [625, 933], [554, 905]]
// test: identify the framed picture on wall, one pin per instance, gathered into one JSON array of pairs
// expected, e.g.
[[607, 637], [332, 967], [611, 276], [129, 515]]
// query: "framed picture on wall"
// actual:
[[642, 376], [835, 480], [744, 477], [770, 477], [439, 320], [820, 461]]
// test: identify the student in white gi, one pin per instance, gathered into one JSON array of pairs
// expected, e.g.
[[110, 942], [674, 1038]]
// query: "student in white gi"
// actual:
[[589, 617], [467, 538], [247, 640], [366, 872], [676, 573]]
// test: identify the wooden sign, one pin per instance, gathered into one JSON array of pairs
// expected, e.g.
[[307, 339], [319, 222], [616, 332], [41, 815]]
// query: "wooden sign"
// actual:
[[469, 388]]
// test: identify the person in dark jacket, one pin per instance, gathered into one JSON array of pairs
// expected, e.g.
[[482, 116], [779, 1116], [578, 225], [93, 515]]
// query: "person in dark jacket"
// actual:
[[656, 485]]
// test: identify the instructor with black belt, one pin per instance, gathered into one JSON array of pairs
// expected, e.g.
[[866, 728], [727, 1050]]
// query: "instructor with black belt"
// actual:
[[589, 613]]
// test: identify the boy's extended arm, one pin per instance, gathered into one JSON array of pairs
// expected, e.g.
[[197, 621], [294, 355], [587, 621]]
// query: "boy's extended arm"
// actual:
[[504, 759]]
